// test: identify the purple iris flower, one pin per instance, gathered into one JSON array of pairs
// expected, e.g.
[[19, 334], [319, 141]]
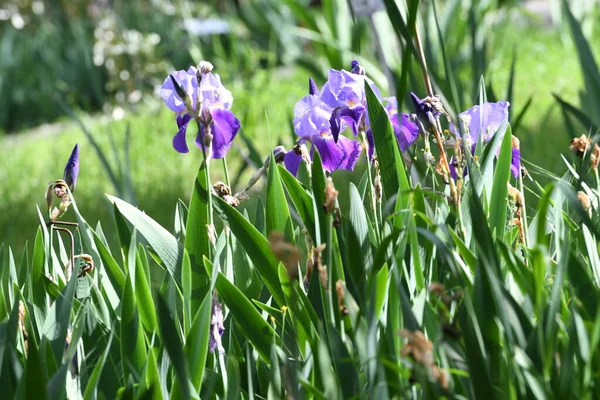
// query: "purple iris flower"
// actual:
[[72, 169], [344, 93], [214, 102], [515, 163], [484, 119], [312, 124], [405, 129], [216, 327]]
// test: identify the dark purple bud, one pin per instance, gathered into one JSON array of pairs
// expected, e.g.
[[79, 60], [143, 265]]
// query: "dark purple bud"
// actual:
[[312, 87], [356, 68], [279, 153], [178, 89], [72, 169]]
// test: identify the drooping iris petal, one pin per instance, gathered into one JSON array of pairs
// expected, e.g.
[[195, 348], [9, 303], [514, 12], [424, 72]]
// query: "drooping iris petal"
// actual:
[[332, 153], [224, 128], [484, 119], [179, 142], [406, 131], [292, 161], [515, 164], [188, 81], [346, 116], [352, 151], [72, 169]]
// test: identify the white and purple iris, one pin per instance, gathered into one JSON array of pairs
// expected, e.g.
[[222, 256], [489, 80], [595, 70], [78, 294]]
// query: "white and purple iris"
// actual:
[[324, 114], [485, 120], [215, 102]]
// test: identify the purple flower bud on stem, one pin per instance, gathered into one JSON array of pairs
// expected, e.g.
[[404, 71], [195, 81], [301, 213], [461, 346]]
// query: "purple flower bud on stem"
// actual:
[[312, 87], [72, 169]]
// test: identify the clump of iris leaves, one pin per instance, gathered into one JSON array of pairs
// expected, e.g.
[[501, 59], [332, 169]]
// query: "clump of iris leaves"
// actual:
[[430, 284]]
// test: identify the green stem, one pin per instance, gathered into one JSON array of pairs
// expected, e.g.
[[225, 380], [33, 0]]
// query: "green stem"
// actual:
[[524, 211], [371, 191], [226, 172]]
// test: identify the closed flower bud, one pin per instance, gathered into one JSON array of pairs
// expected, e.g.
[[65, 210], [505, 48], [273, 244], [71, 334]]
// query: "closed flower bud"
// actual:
[[72, 169]]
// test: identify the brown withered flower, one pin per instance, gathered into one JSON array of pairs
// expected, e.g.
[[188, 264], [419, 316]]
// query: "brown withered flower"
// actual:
[[580, 145], [330, 196], [339, 288], [595, 157], [58, 188], [421, 351], [286, 252], [585, 202], [316, 261]]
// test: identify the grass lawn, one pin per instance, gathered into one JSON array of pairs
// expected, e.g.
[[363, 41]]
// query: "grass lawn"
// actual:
[[160, 175]]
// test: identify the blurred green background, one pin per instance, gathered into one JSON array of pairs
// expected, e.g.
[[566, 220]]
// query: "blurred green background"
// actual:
[[96, 64]]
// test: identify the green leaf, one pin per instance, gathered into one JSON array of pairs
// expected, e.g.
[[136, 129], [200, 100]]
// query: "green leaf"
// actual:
[[172, 343], [92, 384], [255, 244], [58, 318], [499, 199], [197, 241], [163, 243], [115, 273], [301, 199], [360, 253], [133, 348], [247, 317], [278, 213], [388, 153], [196, 344], [35, 379]]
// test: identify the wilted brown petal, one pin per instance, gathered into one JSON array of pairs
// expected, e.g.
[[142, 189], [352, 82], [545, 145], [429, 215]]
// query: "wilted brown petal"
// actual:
[[580, 145]]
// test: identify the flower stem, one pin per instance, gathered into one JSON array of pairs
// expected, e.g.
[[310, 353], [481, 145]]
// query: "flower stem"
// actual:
[[371, 189], [437, 127], [524, 212]]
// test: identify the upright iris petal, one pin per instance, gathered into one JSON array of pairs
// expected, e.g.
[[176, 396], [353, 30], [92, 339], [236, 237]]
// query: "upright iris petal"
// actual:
[[344, 93], [312, 124], [215, 102], [188, 81], [484, 119]]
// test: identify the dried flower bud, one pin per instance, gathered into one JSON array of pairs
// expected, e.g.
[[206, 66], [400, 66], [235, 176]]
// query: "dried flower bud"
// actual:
[[72, 169], [221, 189], [87, 266], [516, 143], [330, 196], [418, 348], [580, 145], [585, 202], [595, 157], [286, 253], [516, 195], [204, 67], [339, 288]]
